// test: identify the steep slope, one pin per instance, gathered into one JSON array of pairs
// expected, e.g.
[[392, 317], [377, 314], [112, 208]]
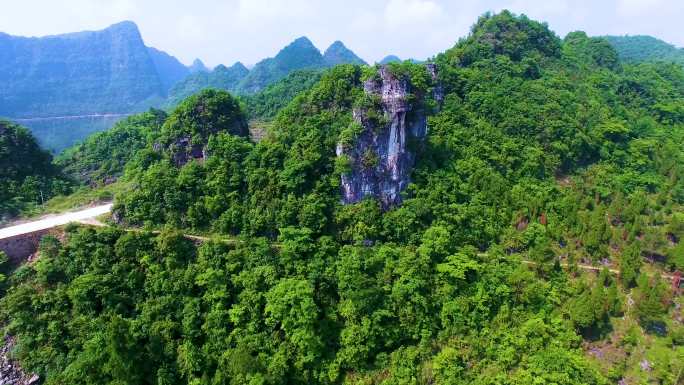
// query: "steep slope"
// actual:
[[77, 74], [639, 49], [66, 87], [222, 78], [169, 69], [300, 54], [338, 53], [376, 147]]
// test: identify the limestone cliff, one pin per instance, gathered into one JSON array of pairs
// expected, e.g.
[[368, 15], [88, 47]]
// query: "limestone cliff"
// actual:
[[380, 157]]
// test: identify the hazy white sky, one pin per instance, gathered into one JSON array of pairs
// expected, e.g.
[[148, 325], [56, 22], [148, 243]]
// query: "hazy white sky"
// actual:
[[224, 31]]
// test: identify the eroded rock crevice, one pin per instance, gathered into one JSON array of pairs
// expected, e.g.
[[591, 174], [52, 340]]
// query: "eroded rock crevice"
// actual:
[[382, 155]]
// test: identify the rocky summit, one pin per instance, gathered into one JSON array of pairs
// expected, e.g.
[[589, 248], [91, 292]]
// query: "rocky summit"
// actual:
[[380, 159]]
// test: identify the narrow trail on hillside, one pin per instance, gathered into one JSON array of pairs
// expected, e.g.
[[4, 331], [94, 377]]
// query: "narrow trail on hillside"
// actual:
[[89, 216]]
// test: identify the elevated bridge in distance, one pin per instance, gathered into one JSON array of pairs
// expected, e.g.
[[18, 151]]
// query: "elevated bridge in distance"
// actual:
[[21, 240]]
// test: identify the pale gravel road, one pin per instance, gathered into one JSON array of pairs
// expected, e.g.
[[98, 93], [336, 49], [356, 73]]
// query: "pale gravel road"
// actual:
[[54, 221]]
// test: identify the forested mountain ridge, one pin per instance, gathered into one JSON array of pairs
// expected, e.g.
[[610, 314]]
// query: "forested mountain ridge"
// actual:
[[104, 71], [538, 149], [641, 48], [300, 55], [338, 53], [66, 87], [74, 82], [169, 69], [221, 77]]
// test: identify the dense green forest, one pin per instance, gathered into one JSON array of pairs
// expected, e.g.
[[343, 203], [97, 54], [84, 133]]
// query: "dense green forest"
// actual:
[[27, 175], [639, 49], [265, 104], [543, 155], [101, 157]]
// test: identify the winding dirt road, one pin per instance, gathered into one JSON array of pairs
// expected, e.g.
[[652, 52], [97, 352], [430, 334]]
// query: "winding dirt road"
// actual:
[[54, 221]]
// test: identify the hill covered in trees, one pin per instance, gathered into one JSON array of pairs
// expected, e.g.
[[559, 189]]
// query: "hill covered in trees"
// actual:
[[221, 77], [542, 156], [102, 156], [27, 175], [300, 55], [639, 49]]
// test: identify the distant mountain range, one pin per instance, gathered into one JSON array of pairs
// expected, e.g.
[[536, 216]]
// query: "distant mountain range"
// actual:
[[108, 71], [65, 87], [301, 54]]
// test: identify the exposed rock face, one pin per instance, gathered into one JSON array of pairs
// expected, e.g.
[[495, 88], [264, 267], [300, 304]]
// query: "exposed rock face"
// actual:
[[380, 158], [184, 151], [10, 372], [94, 72]]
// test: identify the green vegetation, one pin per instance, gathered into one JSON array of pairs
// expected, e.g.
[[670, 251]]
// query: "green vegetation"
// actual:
[[338, 54], [58, 134], [642, 49], [543, 150], [101, 157], [222, 78], [265, 104], [298, 55], [27, 175]]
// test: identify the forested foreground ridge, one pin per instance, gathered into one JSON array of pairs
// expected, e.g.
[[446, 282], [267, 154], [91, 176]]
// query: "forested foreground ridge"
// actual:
[[521, 158], [27, 175]]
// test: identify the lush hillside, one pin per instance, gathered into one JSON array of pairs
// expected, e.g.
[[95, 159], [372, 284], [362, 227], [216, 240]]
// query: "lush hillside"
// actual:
[[532, 159], [27, 175], [300, 54], [640, 49], [265, 104], [101, 157], [221, 77]]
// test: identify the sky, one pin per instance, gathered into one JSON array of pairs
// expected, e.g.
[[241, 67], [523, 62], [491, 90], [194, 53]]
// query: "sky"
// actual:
[[226, 31]]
